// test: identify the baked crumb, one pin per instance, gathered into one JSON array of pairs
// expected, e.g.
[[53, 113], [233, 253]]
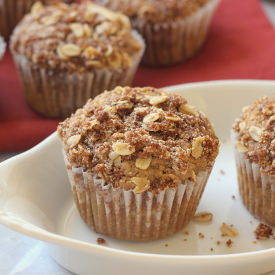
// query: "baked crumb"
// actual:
[[203, 217], [222, 172], [185, 240], [263, 232], [233, 197], [254, 242], [201, 236], [211, 249], [166, 245], [186, 233], [228, 230], [229, 243], [218, 242], [101, 241]]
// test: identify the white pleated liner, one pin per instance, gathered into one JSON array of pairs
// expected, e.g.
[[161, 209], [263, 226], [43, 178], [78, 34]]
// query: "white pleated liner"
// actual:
[[257, 189], [124, 215], [54, 94], [173, 42], [12, 11]]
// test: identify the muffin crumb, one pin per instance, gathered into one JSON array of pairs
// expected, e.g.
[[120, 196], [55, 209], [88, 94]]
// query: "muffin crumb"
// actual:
[[263, 232], [229, 243], [203, 217], [228, 230], [101, 241], [201, 236]]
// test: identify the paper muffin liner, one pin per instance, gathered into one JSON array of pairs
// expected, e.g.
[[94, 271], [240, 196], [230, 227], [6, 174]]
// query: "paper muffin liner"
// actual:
[[125, 215], [257, 189], [59, 94], [174, 42], [12, 11]]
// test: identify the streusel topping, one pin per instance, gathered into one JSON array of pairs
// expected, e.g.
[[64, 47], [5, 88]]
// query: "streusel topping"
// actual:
[[76, 37], [139, 138], [256, 133], [154, 10]]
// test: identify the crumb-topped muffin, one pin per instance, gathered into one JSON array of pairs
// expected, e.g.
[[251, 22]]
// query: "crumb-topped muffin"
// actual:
[[254, 134], [12, 11], [173, 30], [138, 160], [69, 53]]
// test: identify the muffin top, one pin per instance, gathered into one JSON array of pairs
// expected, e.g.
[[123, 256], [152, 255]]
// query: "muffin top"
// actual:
[[155, 10], [2, 47], [140, 139], [76, 37], [256, 133]]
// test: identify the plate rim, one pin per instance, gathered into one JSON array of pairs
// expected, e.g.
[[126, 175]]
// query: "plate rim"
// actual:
[[30, 230]]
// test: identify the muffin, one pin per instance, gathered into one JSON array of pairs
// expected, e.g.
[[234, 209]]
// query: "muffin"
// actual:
[[2, 47], [12, 11], [67, 54], [254, 137], [138, 160], [173, 30]]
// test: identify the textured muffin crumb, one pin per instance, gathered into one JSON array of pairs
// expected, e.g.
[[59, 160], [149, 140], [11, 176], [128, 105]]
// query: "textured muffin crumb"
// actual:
[[263, 232], [140, 139], [155, 10], [256, 133], [76, 37]]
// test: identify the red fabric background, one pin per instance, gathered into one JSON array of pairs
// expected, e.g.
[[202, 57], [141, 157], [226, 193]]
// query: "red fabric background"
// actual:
[[240, 46]]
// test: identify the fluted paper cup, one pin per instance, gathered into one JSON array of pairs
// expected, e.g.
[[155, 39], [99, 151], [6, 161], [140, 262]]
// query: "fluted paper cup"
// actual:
[[125, 215], [257, 189], [57, 95], [174, 42], [12, 11]]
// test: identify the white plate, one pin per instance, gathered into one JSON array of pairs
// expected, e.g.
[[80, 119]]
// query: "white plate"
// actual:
[[35, 199]]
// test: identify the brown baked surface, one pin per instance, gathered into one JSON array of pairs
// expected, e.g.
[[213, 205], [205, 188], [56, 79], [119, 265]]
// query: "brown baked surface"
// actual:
[[140, 137], [76, 37], [154, 10], [256, 133]]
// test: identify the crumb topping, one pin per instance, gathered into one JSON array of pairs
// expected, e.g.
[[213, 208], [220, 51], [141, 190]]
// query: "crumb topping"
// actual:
[[140, 139], [154, 10], [263, 232], [256, 133], [76, 37]]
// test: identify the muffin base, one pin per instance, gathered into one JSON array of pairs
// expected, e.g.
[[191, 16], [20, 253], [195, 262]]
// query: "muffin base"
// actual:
[[125, 215], [256, 188], [174, 42], [57, 95]]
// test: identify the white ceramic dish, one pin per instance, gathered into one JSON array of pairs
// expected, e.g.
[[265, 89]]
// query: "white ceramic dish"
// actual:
[[35, 199]]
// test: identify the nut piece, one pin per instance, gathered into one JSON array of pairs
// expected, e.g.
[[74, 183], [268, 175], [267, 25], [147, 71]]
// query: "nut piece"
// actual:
[[186, 108], [155, 100], [90, 52], [151, 117], [68, 50], [172, 118], [36, 8], [73, 140], [113, 155], [242, 126], [229, 230], [241, 147], [255, 132], [143, 164], [142, 184], [203, 217], [123, 149], [77, 29], [197, 148], [263, 232]]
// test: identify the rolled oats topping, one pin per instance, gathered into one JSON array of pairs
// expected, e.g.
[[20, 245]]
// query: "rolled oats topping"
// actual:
[[76, 37], [256, 133], [136, 145], [154, 10]]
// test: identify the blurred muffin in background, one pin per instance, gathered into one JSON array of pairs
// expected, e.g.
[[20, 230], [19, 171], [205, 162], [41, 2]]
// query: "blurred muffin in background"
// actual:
[[2, 47], [173, 30], [12, 11], [67, 54]]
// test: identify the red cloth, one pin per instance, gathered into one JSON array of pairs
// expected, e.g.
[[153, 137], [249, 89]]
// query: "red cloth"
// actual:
[[240, 46]]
